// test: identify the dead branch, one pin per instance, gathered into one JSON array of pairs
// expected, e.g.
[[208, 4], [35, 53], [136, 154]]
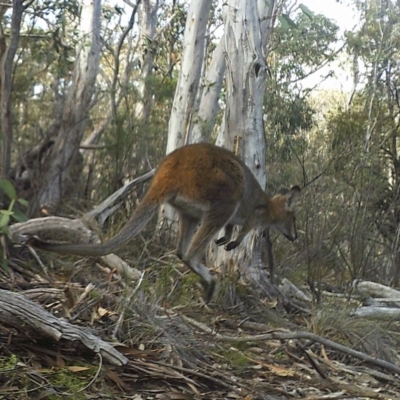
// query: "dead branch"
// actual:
[[51, 227], [382, 313], [18, 312], [287, 335], [73, 230], [113, 202], [290, 290], [374, 289]]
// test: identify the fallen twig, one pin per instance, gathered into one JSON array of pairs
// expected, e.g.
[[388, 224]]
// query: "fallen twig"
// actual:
[[286, 335]]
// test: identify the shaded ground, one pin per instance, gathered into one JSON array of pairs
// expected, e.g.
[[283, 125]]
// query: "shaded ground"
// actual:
[[177, 347]]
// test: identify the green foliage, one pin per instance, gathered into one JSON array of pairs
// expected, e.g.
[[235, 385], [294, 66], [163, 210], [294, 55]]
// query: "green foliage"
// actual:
[[299, 47], [286, 21], [69, 380], [235, 355], [12, 212], [308, 44], [8, 363], [307, 11]]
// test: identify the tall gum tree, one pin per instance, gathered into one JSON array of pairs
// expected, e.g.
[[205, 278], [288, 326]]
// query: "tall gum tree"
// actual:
[[65, 152], [188, 82], [210, 91], [247, 28], [189, 75]]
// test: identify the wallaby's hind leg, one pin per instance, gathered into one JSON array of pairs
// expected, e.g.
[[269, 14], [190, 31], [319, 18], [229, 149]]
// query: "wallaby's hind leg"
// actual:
[[209, 226], [187, 228]]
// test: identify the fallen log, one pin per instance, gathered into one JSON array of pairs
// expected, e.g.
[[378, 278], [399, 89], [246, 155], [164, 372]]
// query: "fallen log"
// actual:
[[374, 289], [382, 313], [20, 313]]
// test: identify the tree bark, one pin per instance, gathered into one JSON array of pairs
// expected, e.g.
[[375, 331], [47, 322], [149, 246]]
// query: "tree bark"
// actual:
[[204, 121], [6, 77], [189, 76], [65, 152], [188, 84]]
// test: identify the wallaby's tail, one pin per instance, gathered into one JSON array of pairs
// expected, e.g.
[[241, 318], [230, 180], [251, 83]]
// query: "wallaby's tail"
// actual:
[[136, 223]]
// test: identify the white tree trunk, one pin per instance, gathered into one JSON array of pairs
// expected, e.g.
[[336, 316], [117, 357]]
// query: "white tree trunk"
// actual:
[[211, 85], [268, 12], [242, 129], [188, 84], [65, 151], [190, 72]]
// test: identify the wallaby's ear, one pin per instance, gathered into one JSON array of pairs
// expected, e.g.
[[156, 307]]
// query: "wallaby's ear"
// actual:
[[292, 196]]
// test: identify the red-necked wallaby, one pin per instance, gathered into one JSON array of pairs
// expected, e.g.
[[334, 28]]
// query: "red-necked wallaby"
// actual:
[[210, 188]]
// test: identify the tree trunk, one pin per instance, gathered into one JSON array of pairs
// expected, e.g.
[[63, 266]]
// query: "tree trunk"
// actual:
[[65, 152], [204, 121], [6, 77], [189, 75], [243, 129], [188, 83]]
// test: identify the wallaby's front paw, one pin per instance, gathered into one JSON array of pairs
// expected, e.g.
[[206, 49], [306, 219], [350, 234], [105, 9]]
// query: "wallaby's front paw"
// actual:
[[231, 245], [221, 241]]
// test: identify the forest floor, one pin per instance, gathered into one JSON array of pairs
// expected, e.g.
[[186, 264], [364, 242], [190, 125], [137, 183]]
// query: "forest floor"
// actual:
[[240, 346]]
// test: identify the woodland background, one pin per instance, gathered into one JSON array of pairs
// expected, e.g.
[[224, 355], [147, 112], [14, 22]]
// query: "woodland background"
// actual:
[[79, 119]]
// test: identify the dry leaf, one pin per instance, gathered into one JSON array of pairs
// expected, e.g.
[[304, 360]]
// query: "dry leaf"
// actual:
[[60, 361], [278, 370], [113, 376], [103, 311]]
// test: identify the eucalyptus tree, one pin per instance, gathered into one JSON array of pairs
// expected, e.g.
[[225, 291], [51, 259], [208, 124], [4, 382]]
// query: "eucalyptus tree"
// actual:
[[247, 25], [189, 74]]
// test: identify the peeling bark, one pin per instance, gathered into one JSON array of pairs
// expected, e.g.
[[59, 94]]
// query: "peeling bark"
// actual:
[[189, 76], [204, 120], [247, 25]]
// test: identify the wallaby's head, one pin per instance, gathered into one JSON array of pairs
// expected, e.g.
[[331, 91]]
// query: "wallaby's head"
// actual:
[[283, 218]]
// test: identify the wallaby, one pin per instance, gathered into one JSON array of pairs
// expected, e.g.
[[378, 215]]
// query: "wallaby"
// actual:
[[210, 188]]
